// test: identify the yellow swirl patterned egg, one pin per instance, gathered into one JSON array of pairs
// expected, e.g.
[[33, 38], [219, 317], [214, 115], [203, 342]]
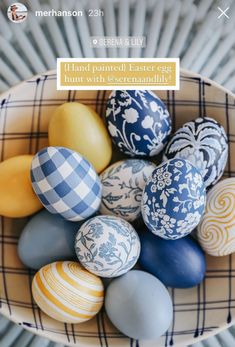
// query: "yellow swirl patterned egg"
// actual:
[[67, 292], [216, 231]]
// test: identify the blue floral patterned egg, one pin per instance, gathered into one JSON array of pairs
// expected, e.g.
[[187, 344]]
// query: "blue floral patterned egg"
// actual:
[[107, 246], [122, 188], [65, 183], [204, 143], [174, 199], [138, 122]]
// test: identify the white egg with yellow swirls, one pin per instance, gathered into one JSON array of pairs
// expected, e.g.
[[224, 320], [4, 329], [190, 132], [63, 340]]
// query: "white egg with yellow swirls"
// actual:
[[67, 292], [216, 231]]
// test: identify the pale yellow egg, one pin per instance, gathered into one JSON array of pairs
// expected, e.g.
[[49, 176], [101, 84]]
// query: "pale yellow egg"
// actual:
[[80, 128], [67, 292], [17, 198]]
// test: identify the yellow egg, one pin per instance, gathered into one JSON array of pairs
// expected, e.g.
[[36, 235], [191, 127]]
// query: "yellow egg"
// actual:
[[67, 292], [79, 127], [17, 198]]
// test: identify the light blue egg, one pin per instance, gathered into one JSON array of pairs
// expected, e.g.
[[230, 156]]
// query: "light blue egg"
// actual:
[[47, 238], [65, 183], [139, 305]]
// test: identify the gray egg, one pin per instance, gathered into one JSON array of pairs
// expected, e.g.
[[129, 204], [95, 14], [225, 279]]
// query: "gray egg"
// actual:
[[47, 238], [139, 305]]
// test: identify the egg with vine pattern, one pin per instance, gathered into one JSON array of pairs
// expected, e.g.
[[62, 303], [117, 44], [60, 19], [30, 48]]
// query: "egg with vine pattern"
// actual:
[[122, 188], [107, 246], [138, 122]]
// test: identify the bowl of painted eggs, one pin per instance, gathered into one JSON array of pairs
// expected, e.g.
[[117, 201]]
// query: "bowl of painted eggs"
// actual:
[[117, 212]]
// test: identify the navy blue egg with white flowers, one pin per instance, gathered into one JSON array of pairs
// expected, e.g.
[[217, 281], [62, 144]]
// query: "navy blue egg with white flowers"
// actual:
[[138, 122], [174, 199], [65, 183]]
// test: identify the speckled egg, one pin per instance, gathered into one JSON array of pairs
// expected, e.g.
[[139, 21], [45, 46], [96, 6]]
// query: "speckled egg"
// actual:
[[204, 143], [67, 292], [122, 188], [174, 199], [40, 233], [216, 230], [178, 264], [107, 246], [65, 183], [139, 305], [138, 122]]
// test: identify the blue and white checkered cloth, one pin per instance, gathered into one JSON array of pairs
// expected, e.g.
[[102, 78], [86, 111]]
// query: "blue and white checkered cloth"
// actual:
[[66, 183]]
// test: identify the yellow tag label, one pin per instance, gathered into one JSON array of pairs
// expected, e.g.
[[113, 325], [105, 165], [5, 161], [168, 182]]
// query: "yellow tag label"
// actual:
[[110, 74]]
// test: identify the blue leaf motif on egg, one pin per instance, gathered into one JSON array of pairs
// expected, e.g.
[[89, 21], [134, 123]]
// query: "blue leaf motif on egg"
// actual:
[[107, 246], [174, 199], [138, 122], [204, 143], [123, 184]]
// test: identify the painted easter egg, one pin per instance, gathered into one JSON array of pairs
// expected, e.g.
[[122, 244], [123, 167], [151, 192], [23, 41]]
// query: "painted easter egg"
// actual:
[[178, 264], [217, 228], [204, 143], [122, 188], [17, 198], [107, 246], [40, 233], [67, 292], [138, 122], [139, 305], [65, 183], [80, 128], [174, 199]]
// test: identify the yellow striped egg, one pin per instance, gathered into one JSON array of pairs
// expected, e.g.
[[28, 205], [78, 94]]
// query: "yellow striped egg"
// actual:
[[67, 292], [216, 231]]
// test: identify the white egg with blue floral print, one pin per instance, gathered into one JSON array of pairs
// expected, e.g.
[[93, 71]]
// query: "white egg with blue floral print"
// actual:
[[138, 122], [107, 246], [122, 188], [174, 199]]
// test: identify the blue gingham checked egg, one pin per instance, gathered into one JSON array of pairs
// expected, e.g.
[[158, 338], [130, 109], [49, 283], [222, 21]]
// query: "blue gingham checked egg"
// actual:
[[65, 183]]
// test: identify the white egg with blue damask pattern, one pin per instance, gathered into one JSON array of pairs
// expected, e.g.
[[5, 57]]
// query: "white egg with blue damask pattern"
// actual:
[[174, 199], [138, 122], [65, 183], [107, 246], [122, 188]]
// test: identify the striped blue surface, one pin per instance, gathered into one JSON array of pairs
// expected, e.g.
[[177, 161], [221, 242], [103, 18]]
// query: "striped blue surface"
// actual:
[[12, 335]]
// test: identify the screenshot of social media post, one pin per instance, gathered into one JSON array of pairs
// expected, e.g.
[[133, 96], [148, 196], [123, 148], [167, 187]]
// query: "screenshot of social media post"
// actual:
[[117, 173]]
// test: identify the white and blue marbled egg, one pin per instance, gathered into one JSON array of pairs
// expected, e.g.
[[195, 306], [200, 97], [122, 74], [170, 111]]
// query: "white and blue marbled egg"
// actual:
[[122, 188], [174, 199], [138, 121], [107, 246], [204, 143], [65, 183]]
